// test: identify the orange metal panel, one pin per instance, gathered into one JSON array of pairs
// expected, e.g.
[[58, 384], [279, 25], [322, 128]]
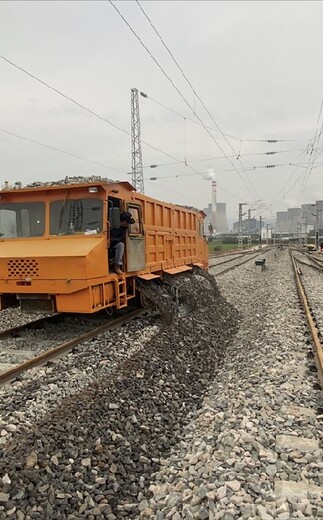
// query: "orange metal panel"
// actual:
[[148, 276], [176, 270]]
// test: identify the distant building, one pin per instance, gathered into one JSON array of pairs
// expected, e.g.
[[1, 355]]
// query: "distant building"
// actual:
[[308, 214], [218, 219], [288, 221], [249, 226], [301, 220]]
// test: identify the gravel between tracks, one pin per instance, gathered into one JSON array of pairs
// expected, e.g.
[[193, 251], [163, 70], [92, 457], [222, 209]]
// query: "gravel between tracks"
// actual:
[[93, 455], [256, 438], [40, 390]]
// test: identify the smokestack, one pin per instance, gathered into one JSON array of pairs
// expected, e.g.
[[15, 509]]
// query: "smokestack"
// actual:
[[213, 215]]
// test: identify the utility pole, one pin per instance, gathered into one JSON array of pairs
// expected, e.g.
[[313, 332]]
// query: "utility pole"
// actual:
[[214, 212], [305, 236], [240, 236], [267, 234], [136, 155], [260, 229], [299, 233], [249, 228], [318, 222]]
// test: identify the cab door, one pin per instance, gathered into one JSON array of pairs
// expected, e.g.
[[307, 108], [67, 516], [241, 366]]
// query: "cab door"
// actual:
[[135, 241]]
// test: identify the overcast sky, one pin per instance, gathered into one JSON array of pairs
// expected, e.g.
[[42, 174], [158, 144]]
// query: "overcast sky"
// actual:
[[257, 66]]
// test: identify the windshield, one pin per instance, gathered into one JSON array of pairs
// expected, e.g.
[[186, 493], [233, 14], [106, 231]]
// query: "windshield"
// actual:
[[81, 216], [22, 219]]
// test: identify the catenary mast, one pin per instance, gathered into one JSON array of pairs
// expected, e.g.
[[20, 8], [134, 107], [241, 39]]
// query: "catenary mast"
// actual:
[[136, 155]]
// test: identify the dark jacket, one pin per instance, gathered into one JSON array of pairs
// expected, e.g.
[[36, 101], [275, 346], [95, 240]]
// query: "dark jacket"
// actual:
[[117, 235]]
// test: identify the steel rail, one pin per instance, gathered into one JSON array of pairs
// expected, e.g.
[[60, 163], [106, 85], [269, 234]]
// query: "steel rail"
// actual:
[[316, 263], [29, 325], [235, 252], [318, 351], [227, 260], [44, 357], [234, 266], [315, 260], [318, 268]]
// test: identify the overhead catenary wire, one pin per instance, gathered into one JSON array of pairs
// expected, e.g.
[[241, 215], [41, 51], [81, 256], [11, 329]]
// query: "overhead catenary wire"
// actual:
[[219, 157], [282, 190], [83, 107], [36, 78], [242, 139], [72, 100], [33, 141], [314, 150], [90, 111], [203, 202], [69, 98], [175, 87], [192, 87]]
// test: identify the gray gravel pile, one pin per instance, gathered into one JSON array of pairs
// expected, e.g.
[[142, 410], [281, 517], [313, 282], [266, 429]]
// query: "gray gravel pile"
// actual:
[[40, 390], [252, 451], [93, 456], [36, 339], [70, 180]]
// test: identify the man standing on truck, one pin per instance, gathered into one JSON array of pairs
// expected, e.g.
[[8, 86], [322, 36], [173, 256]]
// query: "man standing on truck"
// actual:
[[117, 240]]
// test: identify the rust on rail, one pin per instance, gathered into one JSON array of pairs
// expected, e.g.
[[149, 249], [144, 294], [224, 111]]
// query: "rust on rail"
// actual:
[[318, 351]]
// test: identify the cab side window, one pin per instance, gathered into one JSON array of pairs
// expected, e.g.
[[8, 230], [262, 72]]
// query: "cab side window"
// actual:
[[136, 228]]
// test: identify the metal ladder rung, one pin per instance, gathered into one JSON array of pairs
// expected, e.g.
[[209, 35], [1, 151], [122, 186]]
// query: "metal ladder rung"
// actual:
[[122, 292]]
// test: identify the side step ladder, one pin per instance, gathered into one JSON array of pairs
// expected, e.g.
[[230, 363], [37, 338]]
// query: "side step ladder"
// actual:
[[121, 292]]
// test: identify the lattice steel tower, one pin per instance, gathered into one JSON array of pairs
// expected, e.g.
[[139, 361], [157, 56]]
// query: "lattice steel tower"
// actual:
[[136, 155]]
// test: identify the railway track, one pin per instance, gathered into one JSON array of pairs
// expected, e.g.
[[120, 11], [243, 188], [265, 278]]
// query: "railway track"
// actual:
[[215, 261], [219, 255], [310, 314], [20, 355], [307, 259], [231, 253], [251, 256]]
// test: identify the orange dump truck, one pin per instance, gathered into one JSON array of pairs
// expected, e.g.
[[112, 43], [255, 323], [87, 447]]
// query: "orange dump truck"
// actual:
[[54, 245]]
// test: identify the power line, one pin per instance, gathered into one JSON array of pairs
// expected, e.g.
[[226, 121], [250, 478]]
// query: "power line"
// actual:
[[33, 141], [178, 193], [244, 140], [262, 166], [196, 94], [174, 86], [173, 191], [90, 111], [204, 159], [314, 150], [83, 107], [303, 155]]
